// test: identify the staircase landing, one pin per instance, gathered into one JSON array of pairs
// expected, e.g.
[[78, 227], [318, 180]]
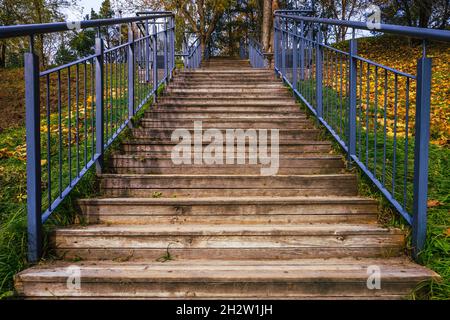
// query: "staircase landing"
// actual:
[[203, 231]]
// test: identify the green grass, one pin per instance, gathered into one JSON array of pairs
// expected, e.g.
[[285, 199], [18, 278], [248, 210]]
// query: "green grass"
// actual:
[[436, 254]]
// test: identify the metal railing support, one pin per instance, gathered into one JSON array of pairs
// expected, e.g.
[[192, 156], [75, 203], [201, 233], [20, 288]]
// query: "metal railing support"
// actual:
[[319, 75], [166, 53], [33, 140], [172, 46], [302, 52], [352, 99], [155, 61], [131, 71], [294, 58], [147, 52], [422, 137], [99, 102]]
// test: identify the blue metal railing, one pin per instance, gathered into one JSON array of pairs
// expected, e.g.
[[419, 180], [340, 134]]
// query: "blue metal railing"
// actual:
[[192, 57], [87, 104], [256, 54], [359, 102]]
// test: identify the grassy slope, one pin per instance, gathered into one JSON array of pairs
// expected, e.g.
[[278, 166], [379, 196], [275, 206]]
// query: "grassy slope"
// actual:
[[402, 55], [436, 255]]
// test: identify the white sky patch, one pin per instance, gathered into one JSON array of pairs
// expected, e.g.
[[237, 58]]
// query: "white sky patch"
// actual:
[[75, 14]]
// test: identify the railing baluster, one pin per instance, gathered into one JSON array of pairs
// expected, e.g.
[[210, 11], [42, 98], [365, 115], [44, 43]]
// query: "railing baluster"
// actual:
[[394, 161], [49, 156], [302, 51], [386, 79], [131, 71], [99, 102], [85, 116], [367, 114], [353, 98], [155, 61], [294, 58], [59, 136], [33, 139], [375, 122], [166, 54], [319, 88], [69, 120], [77, 123]]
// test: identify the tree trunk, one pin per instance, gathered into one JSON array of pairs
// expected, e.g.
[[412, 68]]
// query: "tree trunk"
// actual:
[[275, 6], [2, 55], [425, 8], [267, 17]]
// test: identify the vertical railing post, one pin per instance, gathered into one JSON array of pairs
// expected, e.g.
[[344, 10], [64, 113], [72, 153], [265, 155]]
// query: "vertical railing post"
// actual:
[[319, 74], [422, 137], [147, 52], [33, 139], [131, 70], [294, 58], [166, 52], [155, 60], [302, 51], [172, 45], [99, 102], [352, 97]]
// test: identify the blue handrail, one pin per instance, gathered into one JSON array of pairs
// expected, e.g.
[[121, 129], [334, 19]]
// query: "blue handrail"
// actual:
[[95, 98], [358, 101], [192, 57], [256, 54]]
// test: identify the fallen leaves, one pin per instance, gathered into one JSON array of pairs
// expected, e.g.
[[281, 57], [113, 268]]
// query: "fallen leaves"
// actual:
[[433, 203]]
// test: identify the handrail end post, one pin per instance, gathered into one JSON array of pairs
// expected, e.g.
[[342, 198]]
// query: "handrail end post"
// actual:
[[422, 137], [33, 164]]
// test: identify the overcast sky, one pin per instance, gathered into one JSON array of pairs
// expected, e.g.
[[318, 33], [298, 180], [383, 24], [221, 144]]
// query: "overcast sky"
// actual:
[[87, 5]]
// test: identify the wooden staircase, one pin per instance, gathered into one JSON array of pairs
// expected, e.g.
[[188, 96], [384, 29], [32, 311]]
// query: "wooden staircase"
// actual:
[[225, 231]]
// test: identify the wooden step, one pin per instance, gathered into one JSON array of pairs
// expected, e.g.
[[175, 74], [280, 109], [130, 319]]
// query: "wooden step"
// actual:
[[281, 279], [279, 123], [163, 134], [227, 102], [230, 109], [140, 147], [232, 210], [140, 185], [237, 90], [238, 86], [151, 165], [261, 101], [168, 114], [231, 242]]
